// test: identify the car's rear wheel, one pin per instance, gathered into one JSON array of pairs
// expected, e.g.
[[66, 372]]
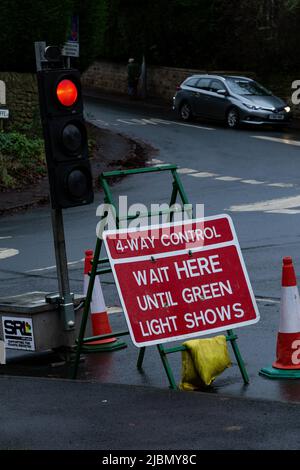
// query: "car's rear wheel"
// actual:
[[185, 111], [233, 118]]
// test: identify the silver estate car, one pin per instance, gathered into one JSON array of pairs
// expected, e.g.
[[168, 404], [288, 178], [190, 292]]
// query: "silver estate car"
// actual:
[[231, 99]]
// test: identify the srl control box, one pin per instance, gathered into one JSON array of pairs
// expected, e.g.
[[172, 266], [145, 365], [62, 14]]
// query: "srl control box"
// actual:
[[29, 323]]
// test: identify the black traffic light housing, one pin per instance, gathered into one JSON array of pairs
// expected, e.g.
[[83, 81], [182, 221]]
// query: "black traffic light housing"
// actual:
[[65, 135]]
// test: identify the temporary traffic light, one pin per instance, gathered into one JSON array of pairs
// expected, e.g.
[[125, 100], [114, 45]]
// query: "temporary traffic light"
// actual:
[[65, 135]]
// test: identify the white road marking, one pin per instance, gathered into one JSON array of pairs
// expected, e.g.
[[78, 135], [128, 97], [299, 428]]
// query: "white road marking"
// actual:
[[207, 174], [252, 182], [227, 178], [48, 268], [161, 121], [8, 252], [155, 121], [235, 178], [143, 122], [192, 125], [162, 164], [277, 139], [5, 238], [265, 299], [111, 310], [185, 171], [284, 211], [204, 174], [126, 121], [270, 205], [41, 269], [281, 185]]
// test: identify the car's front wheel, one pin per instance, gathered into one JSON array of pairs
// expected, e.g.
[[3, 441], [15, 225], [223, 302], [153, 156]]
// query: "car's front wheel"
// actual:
[[233, 118], [185, 111]]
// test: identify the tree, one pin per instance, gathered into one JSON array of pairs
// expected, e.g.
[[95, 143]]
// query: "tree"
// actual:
[[25, 21], [292, 4], [260, 35], [167, 32], [92, 28]]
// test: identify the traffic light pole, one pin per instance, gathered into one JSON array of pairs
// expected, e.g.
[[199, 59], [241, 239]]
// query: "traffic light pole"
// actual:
[[65, 300]]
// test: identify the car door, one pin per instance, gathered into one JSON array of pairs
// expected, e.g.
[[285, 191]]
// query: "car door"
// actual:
[[217, 103], [189, 93], [200, 96]]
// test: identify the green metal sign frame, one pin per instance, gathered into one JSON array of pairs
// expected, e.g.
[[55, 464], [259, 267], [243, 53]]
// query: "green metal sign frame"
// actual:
[[99, 267]]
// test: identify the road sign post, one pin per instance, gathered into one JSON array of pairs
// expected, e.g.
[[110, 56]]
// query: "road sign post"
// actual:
[[71, 46], [39, 48]]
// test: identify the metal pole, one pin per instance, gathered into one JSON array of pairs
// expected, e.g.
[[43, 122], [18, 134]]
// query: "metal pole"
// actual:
[[39, 47], [65, 300], [143, 79]]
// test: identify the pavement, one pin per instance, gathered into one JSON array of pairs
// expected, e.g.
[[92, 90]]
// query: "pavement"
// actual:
[[56, 414]]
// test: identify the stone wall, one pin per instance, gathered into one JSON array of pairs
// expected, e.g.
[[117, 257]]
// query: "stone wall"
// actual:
[[21, 98], [161, 81], [112, 77], [106, 76]]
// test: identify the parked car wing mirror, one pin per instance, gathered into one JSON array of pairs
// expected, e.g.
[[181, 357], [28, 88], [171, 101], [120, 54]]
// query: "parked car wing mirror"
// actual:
[[222, 92]]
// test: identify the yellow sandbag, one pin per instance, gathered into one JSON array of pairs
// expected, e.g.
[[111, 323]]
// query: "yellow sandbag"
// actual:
[[203, 360]]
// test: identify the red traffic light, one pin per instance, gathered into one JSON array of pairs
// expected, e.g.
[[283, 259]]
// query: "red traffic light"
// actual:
[[66, 92]]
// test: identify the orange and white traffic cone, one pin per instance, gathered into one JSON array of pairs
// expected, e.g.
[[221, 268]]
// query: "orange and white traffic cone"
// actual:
[[99, 315], [287, 364]]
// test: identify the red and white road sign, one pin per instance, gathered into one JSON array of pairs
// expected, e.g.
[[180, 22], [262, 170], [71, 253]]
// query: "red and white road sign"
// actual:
[[181, 280]]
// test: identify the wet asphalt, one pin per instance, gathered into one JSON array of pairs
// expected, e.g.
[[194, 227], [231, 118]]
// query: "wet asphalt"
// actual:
[[43, 414]]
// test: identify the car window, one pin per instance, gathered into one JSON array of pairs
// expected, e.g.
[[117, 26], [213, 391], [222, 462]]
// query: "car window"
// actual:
[[247, 87], [192, 82], [216, 85], [203, 83]]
